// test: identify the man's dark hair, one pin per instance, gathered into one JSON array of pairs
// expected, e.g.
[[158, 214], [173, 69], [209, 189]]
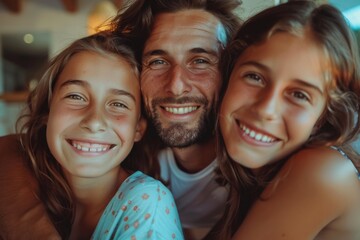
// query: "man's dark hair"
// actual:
[[136, 17]]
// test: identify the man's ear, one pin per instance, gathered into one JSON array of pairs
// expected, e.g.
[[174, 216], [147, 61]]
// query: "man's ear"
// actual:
[[140, 129]]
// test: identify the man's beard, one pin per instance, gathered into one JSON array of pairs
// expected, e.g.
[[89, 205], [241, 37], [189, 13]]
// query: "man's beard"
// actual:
[[178, 134]]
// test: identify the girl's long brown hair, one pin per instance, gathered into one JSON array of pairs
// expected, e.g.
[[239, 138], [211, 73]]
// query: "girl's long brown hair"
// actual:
[[55, 191]]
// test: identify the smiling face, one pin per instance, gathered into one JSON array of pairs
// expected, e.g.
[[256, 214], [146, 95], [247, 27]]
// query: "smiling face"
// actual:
[[276, 95], [180, 78], [94, 114]]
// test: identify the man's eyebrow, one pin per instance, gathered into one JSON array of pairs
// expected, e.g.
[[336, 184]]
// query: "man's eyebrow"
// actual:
[[267, 69], [203, 50], [160, 52], [154, 53]]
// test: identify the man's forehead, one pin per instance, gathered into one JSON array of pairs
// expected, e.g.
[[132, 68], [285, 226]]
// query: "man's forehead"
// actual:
[[194, 27], [188, 18]]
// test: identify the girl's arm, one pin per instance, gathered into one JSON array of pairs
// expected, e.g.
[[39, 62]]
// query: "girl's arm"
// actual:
[[22, 215], [313, 188]]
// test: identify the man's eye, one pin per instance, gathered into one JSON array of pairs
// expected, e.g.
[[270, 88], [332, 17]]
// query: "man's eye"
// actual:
[[199, 64], [157, 64]]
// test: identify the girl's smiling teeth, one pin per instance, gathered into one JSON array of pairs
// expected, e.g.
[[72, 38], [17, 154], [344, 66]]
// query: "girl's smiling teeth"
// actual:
[[255, 135], [90, 147], [180, 110]]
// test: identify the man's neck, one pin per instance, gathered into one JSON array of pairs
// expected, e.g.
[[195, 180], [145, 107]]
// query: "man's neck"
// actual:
[[196, 157]]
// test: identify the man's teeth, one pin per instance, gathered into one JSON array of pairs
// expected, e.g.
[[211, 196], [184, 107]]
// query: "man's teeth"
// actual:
[[87, 147], [180, 110], [257, 136]]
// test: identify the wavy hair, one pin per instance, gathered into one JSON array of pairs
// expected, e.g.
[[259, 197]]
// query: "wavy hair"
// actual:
[[55, 191], [339, 125], [136, 18]]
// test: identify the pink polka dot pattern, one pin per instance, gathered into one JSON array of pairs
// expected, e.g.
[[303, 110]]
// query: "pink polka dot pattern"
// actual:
[[143, 208]]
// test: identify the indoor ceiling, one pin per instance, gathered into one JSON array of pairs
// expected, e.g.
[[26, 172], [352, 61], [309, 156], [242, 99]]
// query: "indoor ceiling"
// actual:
[[14, 42], [16, 6]]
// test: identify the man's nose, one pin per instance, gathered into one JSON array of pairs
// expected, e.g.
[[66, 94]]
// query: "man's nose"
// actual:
[[178, 82]]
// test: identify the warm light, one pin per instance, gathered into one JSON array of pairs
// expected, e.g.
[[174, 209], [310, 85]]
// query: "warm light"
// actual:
[[100, 16], [28, 38], [33, 83]]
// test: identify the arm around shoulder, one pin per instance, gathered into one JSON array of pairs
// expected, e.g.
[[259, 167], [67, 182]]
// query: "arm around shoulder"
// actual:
[[314, 187], [22, 215]]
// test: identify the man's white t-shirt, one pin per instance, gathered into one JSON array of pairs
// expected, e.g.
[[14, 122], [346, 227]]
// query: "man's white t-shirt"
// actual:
[[199, 198]]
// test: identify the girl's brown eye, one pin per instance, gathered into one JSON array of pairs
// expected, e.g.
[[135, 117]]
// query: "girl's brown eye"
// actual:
[[119, 105], [254, 79], [75, 97], [301, 96]]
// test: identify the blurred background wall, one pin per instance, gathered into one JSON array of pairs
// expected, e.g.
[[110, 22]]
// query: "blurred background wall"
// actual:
[[32, 31]]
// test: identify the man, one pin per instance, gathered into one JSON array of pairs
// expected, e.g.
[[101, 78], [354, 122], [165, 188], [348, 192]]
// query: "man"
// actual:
[[180, 82]]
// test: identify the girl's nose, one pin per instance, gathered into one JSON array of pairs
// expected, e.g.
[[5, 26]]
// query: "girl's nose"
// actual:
[[94, 120], [267, 105]]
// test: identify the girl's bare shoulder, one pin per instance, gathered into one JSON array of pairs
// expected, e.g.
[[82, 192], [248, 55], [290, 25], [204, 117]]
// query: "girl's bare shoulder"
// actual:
[[325, 170]]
